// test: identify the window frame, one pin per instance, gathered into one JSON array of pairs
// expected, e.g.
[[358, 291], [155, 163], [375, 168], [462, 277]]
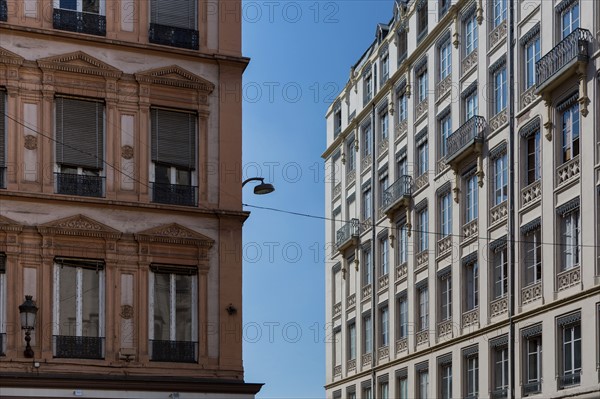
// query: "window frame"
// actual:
[[531, 54], [445, 283], [471, 105], [471, 42], [352, 340], [533, 264], [570, 239], [500, 193], [445, 208], [79, 7], [498, 12], [423, 308], [500, 374], [402, 303], [446, 381], [471, 198], [472, 375], [423, 233], [367, 336], [445, 60], [500, 90], [471, 286], [384, 326], [500, 273], [571, 132], [533, 157], [384, 256], [574, 23]]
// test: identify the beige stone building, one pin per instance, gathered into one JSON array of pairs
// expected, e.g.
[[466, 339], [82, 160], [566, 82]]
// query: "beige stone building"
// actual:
[[464, 205], [120, 198]]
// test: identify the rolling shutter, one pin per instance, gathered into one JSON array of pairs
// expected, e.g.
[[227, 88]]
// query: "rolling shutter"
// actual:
[[176, 13], [173, 136], [79, 132]]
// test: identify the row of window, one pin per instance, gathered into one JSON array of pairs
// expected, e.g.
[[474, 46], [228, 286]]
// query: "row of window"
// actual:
[[80, 150], [79, 310], [568, 366], [172, 22]]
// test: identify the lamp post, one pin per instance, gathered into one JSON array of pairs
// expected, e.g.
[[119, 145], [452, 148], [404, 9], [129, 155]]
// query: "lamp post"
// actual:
[[28, 311], [262, 188]]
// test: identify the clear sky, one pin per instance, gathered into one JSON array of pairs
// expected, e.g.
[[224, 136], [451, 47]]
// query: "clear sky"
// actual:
[[301, 55]]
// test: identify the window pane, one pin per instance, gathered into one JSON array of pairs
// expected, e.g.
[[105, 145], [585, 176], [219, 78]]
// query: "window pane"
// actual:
[[90, 302], [67, 301], [183, 308], [162, 309]]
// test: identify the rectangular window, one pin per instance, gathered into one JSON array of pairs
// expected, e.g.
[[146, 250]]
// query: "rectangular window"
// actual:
[[385, 68], [570, 239], [445, 131], [174, 23], [471, 196], [367, 140], [402, 107], [445, 60], [383, 251], [367, 334], [534, 165], [472, 286], [444, 5], [402, 387], [570, 19], [84, 16], [532, 55], [500, 179], [570, 132], [337, 285], [471, 106], [366, 203], [423, 234], [366, 393], [422, 20], [173, 327], [384, 326], [402, 46], [446, 381], [350, 155], [384, 390], [367, 259], [446, 297], [500, 90], [422, 158], [79, 147], [402, 317], [498, 12], [423, 309], [2, 304], [533, 365], [423, 384], [337, 122], [384, 184], [533, 257], [471, 35], [367, 88], [570, 373], [500, 273], [337, 349], [446, 214], [3, 155], [401, 166], [78, 308], [173, 155], [472, 380], [500, 372], [402, 237], [383, 126], [422, 85], [352, 341]]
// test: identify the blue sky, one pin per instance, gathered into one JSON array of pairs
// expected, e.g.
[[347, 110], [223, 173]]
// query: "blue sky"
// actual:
[[301, 56]]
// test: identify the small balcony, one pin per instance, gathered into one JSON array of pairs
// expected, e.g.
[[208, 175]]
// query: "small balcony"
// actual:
[[80, 185], [347, 234], [173, 351], [80, 22], [174, 36], [397, 195], [174, 194], [466, 141], [562, 61], [74, 347]]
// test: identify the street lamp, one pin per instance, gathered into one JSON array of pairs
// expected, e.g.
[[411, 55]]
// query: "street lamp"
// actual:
[[262, 188], [28, 311]]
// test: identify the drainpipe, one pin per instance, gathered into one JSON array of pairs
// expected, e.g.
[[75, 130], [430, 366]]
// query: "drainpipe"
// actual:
[[511, 190], [373, 252]]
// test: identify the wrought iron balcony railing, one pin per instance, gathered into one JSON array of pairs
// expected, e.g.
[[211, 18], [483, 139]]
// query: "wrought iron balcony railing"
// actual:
[[500, 393], [173, 351], [401, 188], [347, 232], [3, 10], [567, 380], [571, 49], [472, 131], [174, 194], [532, 388], [80, 22], [81, 185], [78, 347], [174, 36]]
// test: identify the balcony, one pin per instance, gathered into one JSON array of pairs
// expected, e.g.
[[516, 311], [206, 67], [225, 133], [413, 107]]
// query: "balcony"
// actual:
[[532, 388], [174, 194], [499, 306], [173, 351], [80, 185], [531, 194], [174, 36], [337, 371], [402, 345], [347, 234], [383, 353], [80, 22], [466, 141], [78, 347], [569, 380], [500, 393], [3, 10], [397, 195], [367, 359], [563, 61]]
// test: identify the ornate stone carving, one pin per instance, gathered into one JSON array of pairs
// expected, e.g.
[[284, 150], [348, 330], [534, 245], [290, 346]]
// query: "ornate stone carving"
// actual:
[[422, 259], [401, 345], [528, 97], [401, 271], [422, 109], [351, 301], [31, 142], [126, 312], [498, 120], [175, 76], [422, 337], [499, 306], [469, 62], [470, 231], [337, 309], [384, 282], [445, 328], [444, 246], [499, 213], [127, 152], [568, 278], [444, 86], [532, 193], [79, 225], [366, 291], [174, 234], [531, 293], [383, 353], [567, 171], [81, 63], [470, 318], [498, 34], [401, 129]]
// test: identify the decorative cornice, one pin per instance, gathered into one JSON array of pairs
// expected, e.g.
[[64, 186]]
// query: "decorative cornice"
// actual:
[[175, 76], [8, 57], [7, 224], [79, 62], [531, 127], [174, 234], [79, 225]]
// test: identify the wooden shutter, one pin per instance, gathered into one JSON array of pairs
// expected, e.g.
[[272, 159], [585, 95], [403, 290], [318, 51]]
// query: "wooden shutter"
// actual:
[[173, 136], [176, 13], [79, 132], [2, 128]]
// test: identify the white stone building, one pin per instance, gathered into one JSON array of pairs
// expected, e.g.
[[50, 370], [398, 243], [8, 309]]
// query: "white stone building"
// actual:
[[463, 205]]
